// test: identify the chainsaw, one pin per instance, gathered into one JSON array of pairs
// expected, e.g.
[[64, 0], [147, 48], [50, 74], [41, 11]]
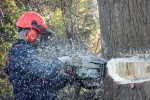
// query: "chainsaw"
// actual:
[[86, 67]]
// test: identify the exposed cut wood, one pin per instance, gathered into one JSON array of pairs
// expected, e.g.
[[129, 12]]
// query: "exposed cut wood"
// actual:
[[133, 69]]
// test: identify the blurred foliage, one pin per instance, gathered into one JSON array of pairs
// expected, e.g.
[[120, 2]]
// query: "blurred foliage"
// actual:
[[69, 18]]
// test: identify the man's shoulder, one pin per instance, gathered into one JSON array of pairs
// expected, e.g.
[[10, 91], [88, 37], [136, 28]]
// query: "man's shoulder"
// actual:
[[21, 48]]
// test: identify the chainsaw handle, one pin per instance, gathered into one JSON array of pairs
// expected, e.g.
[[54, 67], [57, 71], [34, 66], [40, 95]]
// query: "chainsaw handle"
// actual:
[[102, 72]]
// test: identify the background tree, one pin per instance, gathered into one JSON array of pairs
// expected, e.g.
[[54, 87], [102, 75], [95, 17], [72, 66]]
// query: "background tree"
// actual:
[[124, 31]]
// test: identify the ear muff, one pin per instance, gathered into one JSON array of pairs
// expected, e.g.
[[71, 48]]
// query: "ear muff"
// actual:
[[31, 35]]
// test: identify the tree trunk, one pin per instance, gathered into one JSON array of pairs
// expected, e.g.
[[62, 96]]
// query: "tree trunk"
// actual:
[[124, 26]]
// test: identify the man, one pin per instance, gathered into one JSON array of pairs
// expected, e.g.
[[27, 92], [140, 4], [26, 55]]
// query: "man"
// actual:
[[31, 76]]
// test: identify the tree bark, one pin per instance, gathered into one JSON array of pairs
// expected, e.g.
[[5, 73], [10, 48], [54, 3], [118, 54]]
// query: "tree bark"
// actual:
[[124, 26]]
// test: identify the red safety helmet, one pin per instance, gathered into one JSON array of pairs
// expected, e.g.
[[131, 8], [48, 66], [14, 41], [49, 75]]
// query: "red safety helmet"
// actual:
[[26, 20]]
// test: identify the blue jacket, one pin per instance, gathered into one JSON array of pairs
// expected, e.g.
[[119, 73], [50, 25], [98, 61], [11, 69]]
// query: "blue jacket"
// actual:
[[31, 76]]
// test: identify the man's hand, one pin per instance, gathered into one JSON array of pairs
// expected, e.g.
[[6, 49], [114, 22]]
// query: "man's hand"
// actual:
[[64, 59]]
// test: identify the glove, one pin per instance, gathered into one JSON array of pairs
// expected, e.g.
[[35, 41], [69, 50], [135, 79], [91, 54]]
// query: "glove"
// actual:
[[64, 59]]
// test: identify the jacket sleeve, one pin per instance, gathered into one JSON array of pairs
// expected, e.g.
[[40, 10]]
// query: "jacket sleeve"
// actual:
[[26, 60]]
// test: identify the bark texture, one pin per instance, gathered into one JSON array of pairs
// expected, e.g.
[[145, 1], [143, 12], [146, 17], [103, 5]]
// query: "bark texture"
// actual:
[[125, 31], [124, 27]]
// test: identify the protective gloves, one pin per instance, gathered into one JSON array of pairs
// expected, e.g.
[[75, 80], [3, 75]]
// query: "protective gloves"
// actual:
[[64, 59]]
